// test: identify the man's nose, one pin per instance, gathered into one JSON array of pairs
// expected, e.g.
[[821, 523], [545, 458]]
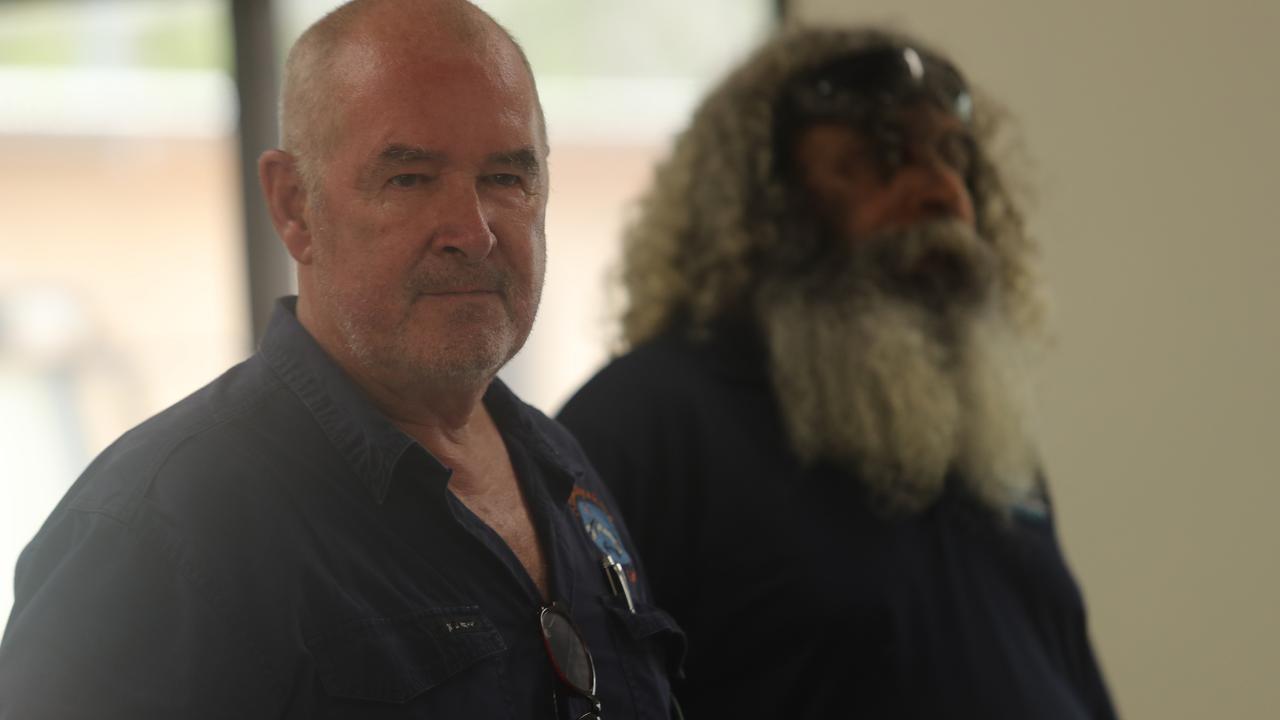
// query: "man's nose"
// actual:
[[462, 223], [936, 191]]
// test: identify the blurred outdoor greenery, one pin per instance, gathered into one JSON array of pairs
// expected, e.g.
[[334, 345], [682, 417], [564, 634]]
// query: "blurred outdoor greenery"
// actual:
[[562, 37], [157, 34]]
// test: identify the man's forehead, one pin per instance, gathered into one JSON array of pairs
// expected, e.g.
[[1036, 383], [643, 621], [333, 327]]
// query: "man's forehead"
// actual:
[[395, 38], [924, 117], [434, 82], [922, 121], [368, 59], [419, 73]]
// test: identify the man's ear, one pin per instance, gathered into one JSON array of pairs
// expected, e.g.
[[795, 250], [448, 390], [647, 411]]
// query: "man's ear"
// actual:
[[287, 201]]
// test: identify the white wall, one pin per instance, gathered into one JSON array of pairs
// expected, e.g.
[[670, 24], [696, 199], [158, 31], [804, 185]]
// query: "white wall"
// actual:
[[1154, 127]]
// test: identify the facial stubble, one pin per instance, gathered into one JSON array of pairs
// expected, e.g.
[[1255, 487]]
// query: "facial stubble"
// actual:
[[471, 341]]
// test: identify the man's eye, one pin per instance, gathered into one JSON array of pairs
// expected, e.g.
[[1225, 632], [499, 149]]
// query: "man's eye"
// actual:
[[505, 180], [855, 162], [957, 151], [890, 148], [407, 180]]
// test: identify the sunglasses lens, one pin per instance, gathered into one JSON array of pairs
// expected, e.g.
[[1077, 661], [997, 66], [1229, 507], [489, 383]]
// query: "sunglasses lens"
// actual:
[[568, 650], [875, 71], [853, 84]]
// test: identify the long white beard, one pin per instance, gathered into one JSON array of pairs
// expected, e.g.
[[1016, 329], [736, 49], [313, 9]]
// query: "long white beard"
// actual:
[[902, 379]]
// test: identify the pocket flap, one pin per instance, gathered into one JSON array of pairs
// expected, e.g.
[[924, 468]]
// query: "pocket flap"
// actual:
[[652, 622], [393, 659]]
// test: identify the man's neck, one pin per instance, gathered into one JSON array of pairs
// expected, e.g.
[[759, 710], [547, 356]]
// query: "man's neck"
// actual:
[[454, 426], [433, 416], [458, 442]]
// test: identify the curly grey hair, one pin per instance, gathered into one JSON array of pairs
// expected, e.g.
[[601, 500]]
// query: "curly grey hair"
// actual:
[[712, 224]]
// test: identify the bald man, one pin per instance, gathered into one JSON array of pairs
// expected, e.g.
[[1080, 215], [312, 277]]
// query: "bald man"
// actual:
[[360, 520]]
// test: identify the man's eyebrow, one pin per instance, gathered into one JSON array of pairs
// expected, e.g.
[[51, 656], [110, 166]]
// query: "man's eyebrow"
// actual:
[[525, 159], [395, 155]]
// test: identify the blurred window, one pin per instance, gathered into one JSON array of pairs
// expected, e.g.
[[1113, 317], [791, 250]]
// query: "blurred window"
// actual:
[[121, 266]]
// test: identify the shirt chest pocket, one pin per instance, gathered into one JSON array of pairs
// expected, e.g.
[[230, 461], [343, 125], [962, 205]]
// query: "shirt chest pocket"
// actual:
[[651, 649], [440, 660]]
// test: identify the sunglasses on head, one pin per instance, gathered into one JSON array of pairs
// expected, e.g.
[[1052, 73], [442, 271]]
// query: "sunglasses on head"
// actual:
[[872, 80]]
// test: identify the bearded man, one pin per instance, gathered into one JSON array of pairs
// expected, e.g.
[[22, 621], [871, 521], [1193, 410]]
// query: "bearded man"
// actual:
[[819, 430]]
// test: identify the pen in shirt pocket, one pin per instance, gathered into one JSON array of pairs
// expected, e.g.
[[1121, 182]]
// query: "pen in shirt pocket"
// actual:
[[617, 578]]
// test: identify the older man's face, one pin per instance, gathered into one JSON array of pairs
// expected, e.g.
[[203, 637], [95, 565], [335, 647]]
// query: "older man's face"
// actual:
[[429, 246], [865, 189]]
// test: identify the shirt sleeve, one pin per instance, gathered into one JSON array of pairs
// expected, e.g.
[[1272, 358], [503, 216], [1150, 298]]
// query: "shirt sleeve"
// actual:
[[111, 620]]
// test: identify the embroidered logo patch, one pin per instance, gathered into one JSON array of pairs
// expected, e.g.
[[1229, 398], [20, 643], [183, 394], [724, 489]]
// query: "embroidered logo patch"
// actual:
[[600, 526]]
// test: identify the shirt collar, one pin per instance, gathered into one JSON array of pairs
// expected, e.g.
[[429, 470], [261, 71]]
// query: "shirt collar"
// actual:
[[374, 448], [520, 422], [372, 445]]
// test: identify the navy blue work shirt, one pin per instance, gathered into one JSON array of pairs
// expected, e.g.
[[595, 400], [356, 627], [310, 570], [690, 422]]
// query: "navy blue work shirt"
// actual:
[[273, 547], [792, 584]]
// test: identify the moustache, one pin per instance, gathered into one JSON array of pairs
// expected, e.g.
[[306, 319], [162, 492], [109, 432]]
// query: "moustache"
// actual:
[[459, 279], [942, 263]]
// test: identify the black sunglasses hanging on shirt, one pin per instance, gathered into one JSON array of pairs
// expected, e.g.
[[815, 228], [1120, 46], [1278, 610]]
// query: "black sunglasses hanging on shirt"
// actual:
[[569, 656]]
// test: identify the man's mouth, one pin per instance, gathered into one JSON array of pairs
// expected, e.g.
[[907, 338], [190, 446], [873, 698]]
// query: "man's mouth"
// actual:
[[942, 277], [461, 291]]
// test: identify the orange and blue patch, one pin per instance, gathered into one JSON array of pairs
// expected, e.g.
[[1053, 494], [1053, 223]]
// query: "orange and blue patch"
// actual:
[[601, 528]]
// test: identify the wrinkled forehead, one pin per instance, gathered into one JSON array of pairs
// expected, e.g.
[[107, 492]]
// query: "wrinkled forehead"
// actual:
[[409, 55], [434, 76]]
